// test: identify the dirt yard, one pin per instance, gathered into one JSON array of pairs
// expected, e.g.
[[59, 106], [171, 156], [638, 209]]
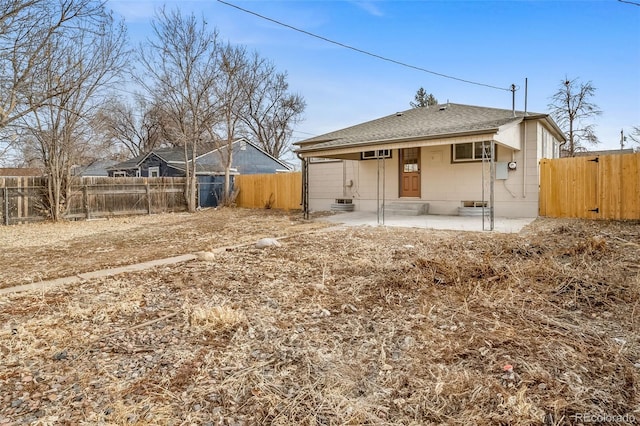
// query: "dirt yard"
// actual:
[[354, 326]]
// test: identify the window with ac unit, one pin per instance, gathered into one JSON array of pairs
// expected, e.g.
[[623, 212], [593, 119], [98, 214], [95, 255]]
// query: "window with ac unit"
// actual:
[[373, 155]]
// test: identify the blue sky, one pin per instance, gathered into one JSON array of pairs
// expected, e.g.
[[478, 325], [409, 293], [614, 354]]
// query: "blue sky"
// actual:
[[491, 42]]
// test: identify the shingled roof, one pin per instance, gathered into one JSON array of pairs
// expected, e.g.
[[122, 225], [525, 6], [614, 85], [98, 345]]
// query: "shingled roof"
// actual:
[[443, 120]]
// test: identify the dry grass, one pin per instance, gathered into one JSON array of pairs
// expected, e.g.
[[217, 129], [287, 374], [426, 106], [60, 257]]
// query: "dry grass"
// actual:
[[42, 251], [362, 326]]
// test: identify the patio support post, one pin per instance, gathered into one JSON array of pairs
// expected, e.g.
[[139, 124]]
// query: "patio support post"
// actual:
[[378, 192], [492, 168], [484, 198], [305, 188], [490, 156], [384, 180]]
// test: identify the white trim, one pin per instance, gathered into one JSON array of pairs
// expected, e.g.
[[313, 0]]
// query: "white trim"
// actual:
[[152, 170], [120, 173], [314, 160]]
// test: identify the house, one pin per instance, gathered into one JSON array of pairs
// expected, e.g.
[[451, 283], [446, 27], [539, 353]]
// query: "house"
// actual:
[[247, 158], [436, 160]]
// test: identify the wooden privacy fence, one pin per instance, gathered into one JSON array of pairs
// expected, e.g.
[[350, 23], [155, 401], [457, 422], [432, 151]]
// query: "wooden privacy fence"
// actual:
[[278, 191], [93, 197], [591, 187], [23, 198]]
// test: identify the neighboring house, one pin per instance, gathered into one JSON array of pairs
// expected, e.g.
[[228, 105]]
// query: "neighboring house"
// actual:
[[433, 156], [169, 162], [96, 169], [603, 152]]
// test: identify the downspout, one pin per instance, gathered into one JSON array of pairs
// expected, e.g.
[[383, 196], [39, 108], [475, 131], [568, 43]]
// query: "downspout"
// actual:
[[305, 186], [524, 156], [344, 179], [524, 162]]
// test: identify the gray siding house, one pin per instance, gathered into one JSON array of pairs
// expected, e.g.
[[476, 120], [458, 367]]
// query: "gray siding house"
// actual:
[[247, 159]]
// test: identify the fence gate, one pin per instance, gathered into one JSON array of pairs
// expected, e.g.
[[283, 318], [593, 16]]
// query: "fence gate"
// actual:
[[591, 187], [21, 199]]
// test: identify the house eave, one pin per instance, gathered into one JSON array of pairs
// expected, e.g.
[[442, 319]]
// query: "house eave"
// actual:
[[445, 139], [552, 125]]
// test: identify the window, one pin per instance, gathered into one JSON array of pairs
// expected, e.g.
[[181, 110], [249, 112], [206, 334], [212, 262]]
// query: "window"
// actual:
[[410, 160], [138, 172], [472, 151], [154, 171], [119, 174], [371, 155]]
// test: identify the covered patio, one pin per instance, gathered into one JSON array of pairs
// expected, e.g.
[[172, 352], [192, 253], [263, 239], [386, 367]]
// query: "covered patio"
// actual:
[[441, 164]]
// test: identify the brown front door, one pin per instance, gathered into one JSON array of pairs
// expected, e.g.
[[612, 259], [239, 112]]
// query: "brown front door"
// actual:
[[410, 172]]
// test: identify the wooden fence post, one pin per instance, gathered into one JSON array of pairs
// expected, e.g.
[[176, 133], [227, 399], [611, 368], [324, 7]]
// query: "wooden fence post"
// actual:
[[148, 197], [85, 201], [6, 205]]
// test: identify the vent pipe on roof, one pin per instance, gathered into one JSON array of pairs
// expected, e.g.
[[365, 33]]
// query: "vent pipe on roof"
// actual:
[[398, 114]]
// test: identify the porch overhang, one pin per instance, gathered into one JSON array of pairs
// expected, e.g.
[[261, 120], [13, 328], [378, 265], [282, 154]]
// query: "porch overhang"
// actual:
[[352, 151]]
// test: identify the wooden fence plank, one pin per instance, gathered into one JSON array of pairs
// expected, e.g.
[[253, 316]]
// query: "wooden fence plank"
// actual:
[[278, 191], [576, 187]]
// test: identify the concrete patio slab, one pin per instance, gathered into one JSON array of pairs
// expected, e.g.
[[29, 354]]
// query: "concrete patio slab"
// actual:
[[453, 223]]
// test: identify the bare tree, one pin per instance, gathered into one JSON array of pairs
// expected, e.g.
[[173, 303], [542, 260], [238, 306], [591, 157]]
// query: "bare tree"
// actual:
[[84, 60], [230, 101], [137, 130], [27, 31], [181, 69], [271, 111], [635, 136], [571, 106]]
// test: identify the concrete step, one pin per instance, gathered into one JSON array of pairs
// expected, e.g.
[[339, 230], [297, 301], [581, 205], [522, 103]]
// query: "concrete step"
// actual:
[[406, 208], [473, 211]]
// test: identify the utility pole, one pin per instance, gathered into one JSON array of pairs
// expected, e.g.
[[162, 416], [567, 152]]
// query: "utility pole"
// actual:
[[623, 139]]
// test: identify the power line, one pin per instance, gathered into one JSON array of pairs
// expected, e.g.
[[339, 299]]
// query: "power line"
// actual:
[[346, 46], [629, 2]]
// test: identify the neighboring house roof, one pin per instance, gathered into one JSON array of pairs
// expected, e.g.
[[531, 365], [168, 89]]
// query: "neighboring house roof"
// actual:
[[97, 168], [445, 120], [174, 157], [20, 171]]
